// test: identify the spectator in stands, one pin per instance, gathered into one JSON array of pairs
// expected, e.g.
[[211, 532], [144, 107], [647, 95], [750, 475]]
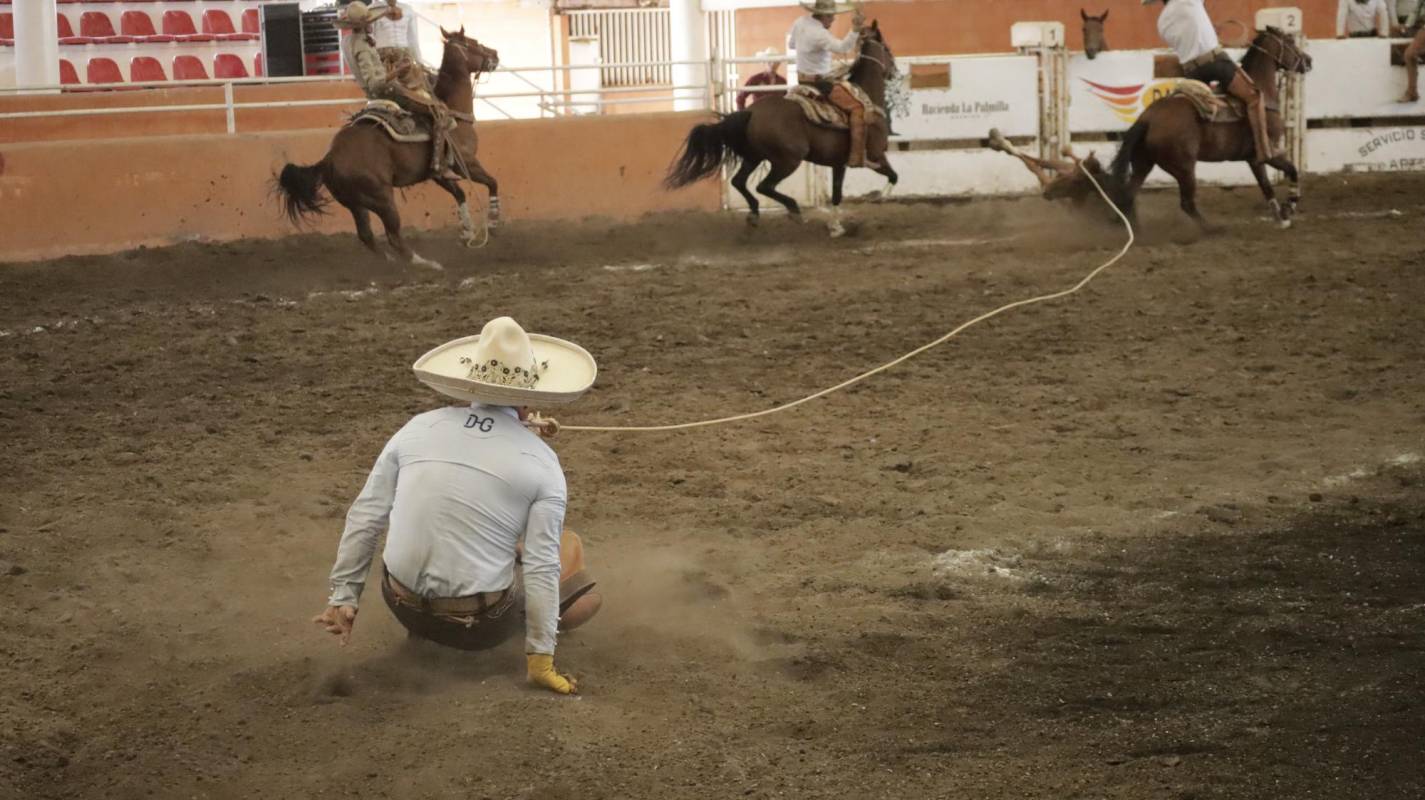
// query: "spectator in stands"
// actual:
[[1360, 18], [1415, 24], [767, 77]]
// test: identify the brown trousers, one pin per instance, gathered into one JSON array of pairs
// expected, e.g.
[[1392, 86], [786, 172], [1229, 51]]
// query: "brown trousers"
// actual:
[[855, 114]]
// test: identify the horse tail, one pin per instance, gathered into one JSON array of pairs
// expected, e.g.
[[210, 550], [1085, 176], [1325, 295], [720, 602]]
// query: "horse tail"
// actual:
[[707, 148], [299, 188], [1118, 171]]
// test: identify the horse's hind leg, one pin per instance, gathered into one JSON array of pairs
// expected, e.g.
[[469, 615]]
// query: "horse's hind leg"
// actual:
[[391, 221], [467, 225], [362, 217], [768, 187], [1186, 176], [739, 182]]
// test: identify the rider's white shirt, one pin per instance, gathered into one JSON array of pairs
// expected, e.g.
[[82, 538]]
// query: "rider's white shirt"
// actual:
[[398, 33], [454, 490], [1372, 16], [814, 45], [1186, 27]]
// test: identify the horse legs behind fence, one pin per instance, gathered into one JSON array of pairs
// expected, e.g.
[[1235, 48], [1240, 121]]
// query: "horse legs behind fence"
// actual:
[[739, 182], [779, 172]]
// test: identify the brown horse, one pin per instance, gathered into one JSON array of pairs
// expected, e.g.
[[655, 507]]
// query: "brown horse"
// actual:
[[363, 166], [1094, 40], [1170, 134], [775, 129]]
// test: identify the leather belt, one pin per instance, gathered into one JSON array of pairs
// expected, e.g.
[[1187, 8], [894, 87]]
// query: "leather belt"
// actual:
[[472, 605], [1205, 59]]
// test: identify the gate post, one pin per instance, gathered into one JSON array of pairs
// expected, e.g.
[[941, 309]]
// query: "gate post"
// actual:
[[1293, 86], [688, 26], [1045, 40]]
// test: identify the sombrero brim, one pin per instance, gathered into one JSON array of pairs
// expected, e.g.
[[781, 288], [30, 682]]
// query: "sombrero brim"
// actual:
[[837, 9], [374, 14], [570, 373]]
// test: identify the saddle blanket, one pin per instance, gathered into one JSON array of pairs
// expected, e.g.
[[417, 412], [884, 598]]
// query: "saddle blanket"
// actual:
[[1211, 105], [400, 124], [820, 111]]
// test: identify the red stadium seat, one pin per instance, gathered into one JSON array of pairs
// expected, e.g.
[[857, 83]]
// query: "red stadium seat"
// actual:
[[251, 23], [189, 68], [7, 28], [179, 24], [96, 26], [103, 70], [139, 25], [144, 69], [220, 26], [66, 33], [68, 75], [228, 65], [257, 65]]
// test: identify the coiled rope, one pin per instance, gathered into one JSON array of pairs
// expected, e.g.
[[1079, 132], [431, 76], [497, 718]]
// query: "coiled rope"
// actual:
[[548, 426]]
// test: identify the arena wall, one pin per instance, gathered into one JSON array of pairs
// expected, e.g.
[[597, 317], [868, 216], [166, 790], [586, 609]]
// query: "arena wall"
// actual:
[[75, 197], [932, 27]]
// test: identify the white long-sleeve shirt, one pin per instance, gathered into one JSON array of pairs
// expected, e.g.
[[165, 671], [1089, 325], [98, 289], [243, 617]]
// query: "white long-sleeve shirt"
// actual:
[[1186, 27], [1371, 16], [815, 44], [456, 488], [398, 33]]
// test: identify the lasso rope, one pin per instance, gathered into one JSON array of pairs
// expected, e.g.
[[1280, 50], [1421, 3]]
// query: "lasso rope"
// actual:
[[548, 426]]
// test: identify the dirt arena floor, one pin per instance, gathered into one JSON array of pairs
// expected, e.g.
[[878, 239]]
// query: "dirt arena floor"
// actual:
[[1162, 539]]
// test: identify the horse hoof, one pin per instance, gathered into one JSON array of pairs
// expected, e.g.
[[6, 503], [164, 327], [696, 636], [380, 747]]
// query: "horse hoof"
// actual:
[[797, 218], [752, 220], [1284, 223], [836, 229], [421, 261]]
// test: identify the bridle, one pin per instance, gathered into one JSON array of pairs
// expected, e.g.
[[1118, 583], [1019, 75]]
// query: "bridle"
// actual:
[[1282, 45], [489, 60], [886, 69]]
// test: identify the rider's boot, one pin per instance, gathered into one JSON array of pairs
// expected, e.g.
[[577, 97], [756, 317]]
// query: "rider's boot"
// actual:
[[1243, 89]]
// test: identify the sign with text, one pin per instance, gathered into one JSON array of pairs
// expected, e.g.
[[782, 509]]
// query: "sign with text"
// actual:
[[982, 93]]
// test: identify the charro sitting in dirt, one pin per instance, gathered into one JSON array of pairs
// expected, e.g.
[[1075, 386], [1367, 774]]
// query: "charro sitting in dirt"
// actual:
[[458, 488]]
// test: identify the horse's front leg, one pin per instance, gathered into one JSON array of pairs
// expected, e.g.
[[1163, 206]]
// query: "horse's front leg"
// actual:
[[835, 228], [478, 173], [462, 208], [1284, 164], [1264, 181]]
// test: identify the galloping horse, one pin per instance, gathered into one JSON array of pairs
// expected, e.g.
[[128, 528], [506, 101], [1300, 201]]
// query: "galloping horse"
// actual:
[[776, 129], [364, 165], [1171, 134]]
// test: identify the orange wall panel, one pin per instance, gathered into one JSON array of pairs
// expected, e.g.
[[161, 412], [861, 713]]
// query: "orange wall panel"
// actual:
[[939, 27], [72, 197]]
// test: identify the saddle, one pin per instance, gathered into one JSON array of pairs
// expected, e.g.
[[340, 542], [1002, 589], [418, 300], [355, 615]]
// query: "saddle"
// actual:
[[1213, 104], [821, 112], [400, 124]]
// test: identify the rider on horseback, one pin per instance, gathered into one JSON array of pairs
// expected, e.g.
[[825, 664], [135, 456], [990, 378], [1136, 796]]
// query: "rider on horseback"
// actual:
[[814, 46], [403, 82], [1185, 26]]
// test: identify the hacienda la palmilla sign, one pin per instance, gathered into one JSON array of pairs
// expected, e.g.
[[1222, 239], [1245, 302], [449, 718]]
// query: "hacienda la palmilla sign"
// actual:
[[1128, 101]]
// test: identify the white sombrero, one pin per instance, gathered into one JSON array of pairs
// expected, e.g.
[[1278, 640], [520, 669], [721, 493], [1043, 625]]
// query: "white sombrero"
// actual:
[[507, 367], [826, 7], [768, 52]]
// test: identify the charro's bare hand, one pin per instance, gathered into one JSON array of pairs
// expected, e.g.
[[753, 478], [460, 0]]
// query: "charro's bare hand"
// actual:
[[338, 621]]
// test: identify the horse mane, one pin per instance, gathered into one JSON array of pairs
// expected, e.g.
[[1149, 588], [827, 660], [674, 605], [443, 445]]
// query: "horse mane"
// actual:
[[1254, 50], [863, 61], [449, 74]]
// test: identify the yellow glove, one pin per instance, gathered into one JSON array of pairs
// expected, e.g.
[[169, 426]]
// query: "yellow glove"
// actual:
[[541, 673]]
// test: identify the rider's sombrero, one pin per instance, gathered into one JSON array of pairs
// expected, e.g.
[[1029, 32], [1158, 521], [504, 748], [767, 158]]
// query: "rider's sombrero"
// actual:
[[827, 7], [505, 366], [359, 15]]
